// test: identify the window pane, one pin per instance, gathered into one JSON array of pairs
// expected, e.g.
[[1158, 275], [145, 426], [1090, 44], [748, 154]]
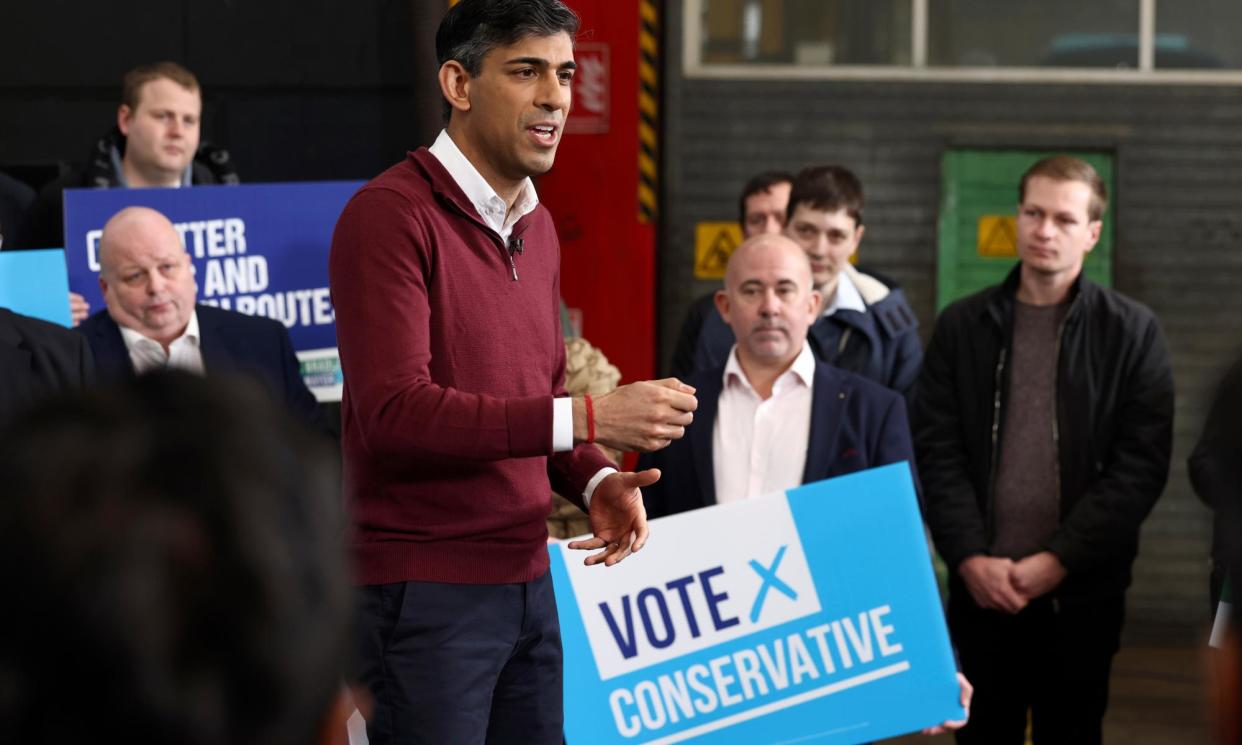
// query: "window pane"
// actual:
[[1198, 34], [809, 32], [1051, 33]]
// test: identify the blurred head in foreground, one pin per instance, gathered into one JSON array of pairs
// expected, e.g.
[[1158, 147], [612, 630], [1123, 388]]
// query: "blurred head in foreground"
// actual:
[[170, 555]]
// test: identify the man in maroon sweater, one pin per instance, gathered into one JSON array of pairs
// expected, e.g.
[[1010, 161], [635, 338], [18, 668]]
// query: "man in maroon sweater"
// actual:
[[455, 423]]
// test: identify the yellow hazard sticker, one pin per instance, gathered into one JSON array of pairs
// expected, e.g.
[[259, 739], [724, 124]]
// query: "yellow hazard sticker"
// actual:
[[997, 236], [714, 243]]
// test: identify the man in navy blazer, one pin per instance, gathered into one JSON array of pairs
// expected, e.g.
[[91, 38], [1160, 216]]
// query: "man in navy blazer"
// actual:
[[38, 359], [152, 321], [774, 416]]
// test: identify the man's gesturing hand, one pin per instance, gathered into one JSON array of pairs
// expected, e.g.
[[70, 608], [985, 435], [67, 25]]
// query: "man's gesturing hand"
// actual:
[[987, 578], [618, 518], [642, 416]]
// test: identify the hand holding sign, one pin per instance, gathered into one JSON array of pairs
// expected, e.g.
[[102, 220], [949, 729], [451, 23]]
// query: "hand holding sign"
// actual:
[[618, 517], [799, 616], [967, 693], [79, 309]]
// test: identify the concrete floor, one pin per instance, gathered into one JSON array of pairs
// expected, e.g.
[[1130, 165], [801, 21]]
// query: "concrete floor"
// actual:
[[1158, 697]]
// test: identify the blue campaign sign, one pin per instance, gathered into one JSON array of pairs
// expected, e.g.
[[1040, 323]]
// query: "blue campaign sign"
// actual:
[[260, 249], [34, 283], [805, 616]]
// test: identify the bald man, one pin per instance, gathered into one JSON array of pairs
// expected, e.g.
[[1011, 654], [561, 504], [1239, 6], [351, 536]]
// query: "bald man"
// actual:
[[773, 416], [151, 320]]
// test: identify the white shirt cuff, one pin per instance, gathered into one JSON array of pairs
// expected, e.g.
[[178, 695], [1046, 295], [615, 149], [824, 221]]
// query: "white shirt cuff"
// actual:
[[562, 425], [599, 476]]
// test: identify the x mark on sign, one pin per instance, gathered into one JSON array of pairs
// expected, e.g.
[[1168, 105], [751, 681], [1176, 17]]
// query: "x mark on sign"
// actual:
[[770, 581]]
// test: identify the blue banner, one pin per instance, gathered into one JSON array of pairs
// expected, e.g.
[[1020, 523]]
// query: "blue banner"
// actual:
[[34, 283], [809, 615], [259, 249]]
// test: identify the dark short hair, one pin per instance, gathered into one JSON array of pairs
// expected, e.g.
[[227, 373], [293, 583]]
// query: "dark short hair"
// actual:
[[827, 188], [174, 551], [472, 28], [758, 184], [132, 82], [1069, 168]]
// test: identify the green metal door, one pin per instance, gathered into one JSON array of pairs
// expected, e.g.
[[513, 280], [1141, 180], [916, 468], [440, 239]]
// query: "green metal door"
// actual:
[[978, 201]]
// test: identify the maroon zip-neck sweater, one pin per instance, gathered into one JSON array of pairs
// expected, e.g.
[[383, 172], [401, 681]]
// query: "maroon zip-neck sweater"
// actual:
[[450, 369]]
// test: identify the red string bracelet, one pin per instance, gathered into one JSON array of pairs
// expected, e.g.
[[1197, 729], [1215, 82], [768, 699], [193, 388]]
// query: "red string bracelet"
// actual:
[[590, 411]]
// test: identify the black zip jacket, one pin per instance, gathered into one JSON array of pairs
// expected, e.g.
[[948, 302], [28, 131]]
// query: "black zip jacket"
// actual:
[[44, 226], [1113, 425]]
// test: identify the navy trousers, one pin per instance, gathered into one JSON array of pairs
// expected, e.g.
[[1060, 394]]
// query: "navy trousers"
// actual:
[[1052, 659], [461, 664]]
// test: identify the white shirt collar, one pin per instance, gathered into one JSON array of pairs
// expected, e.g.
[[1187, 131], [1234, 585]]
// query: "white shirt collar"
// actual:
[[148, 354], [132, 337], [847, 296], [486, 201], [802, 369]]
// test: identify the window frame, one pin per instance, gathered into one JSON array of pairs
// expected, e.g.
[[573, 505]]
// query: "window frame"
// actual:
[[918, 69]]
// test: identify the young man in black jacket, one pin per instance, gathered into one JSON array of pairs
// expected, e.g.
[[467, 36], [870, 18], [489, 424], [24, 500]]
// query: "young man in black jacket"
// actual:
[[1043, 427], [155, 143], [865, 325]]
